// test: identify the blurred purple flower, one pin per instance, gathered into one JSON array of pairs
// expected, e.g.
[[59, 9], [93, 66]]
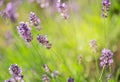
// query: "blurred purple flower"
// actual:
[[34, 20], [15, 71], [70, 80], [25, 32], [55, 74], [9, 37], [93, 44], [47, 69], [1, 2], [43, 3], [106, 58], [62, 9], [44, 41], [45, 78], [105, 7], [10, 11]]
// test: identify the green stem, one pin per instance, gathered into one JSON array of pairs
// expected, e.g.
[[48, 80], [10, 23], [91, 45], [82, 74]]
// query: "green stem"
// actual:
[[102, 73]]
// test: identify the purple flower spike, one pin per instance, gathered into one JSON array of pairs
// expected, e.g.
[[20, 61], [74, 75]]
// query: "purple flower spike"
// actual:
[[15, 70], [25, 32], [10, 11], [93, 44], [34, 20], [62, 9], [105, 7], [44, 41], [106, 58], [45, 78], [70, 80]]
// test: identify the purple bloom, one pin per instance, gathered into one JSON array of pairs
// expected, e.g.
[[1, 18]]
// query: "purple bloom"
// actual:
[[55, 74], [93, 44], [45, 78], [15, 70], [10, 11], [70, 80], [44, 41], [46, 68], [43, 3], [34, 20], [105, 7], [25, 32], [62, 9], [1, 2], [106, 58]]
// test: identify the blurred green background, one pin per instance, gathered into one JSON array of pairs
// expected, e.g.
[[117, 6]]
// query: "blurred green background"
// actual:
[[69, 39]]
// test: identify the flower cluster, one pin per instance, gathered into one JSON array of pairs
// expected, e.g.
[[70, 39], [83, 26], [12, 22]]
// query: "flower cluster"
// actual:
[[15, 71], [93, 44], [44, 41], [105, 7], [34, 20], [25, 32], [106, 58], [62, 9], [70, 80], [45, 78]]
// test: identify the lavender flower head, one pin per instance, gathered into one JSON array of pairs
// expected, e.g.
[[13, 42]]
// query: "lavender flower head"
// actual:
[[25, 32], [62, 9], [106, 58], [93, 44], [10, 11], [70, 80], [15, 70], [105, 7], [45, 78], [34, 20], [44, 41]]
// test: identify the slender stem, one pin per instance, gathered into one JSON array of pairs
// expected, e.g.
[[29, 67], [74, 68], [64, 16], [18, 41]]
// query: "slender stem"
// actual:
[[96, 65], [102, 72]]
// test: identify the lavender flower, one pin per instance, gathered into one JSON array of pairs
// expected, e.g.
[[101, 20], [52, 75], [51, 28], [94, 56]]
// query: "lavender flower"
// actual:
[[46, 68], [44, 41], [93, 44], [15, 71], [70, 80], [1, 2], [62, 9], [10, 11], [45, 78], [105, 7], [10, 80], [35, 21], [106, 58], [109, 77], [25, 32], [55, 74]]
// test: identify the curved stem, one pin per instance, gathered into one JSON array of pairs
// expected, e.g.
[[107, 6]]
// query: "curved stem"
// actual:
[[102, 72]]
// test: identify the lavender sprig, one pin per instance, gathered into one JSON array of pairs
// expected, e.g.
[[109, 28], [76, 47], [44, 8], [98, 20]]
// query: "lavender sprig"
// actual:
[[34, 20], [105, 7], [25, 32], [106, 58], [44, 41]]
